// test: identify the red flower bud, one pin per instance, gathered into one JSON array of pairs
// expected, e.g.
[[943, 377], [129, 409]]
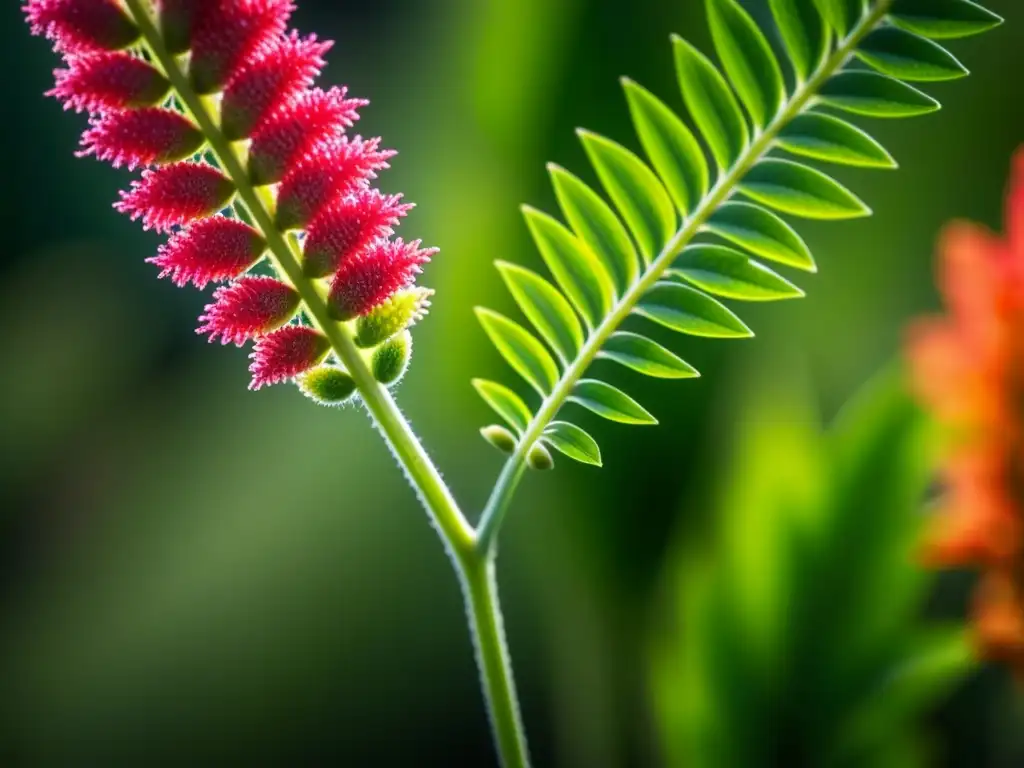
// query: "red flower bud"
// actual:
[[150, 136], [250, 307], [326, 173], [176, 194], [348, 226], [368, 278], [109, 81], [286, 353], [282, 69], [210, 250], [289, 133], [227, 32], [82, 26]]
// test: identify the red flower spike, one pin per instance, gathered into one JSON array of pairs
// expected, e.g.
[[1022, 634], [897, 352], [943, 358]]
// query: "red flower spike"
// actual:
[[347, 227], [176, 194], [311, 118], [211, 250], [329, 171], [369, 278], [225, 33], [109, 81], [150, 136], [281, 70], [82, 26], [286, 353], [248, 308]]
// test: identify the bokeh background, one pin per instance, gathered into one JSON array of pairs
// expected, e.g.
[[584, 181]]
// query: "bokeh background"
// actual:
[[191, 574]]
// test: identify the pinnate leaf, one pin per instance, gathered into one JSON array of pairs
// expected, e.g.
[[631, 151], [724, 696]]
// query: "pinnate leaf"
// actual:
[[573, 442], [546, 308], [802, 191], [645, 356], [827, 138], [762, 233], [685, 310], [610, 403], [521, 350], [727, 272], [505, 403]]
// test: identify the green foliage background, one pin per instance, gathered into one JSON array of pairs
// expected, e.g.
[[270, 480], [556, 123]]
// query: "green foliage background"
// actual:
[[192, 574]]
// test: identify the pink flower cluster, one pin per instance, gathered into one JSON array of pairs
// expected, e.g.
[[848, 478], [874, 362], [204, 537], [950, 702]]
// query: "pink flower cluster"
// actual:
[[295, 144]]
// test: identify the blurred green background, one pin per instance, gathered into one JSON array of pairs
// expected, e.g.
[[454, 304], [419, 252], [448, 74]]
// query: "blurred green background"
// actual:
[[191, 574]]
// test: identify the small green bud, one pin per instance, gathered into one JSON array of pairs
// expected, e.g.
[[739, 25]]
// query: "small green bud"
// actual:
[[391, 359], [398, 313], [500, 438], [327, 385], [540, 458]]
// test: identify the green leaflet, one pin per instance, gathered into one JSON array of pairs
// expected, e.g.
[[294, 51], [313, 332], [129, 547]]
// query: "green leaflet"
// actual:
[[711, 103], [505, 403], [802, 191], [804, 32], [943, 19], [726, 272], [596, 225], [521, 350], [645, 356], [874, 95], [674, 152], [546, 308], [896, 52], [578, 273], [688, 311], [636, 191], [762, 233], [747, 58], [573, 442], [827, 138], [841, 15], [610, 403]]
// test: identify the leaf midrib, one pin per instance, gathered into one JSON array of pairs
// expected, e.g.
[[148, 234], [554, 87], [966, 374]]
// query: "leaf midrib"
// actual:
[[726, 187]]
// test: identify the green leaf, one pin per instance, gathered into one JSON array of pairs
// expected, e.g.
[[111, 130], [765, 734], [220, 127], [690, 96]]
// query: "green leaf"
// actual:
[[840, 14], [576, 270], [793, 188], [747, 58], [546, 308], [804, 32], [521, 350], [824, 137], [573, 442], [688, 311], [671, 147], [899, 53], [943, 19], [645, 356], [726, 272], [506, 403], [596, 225], [875, 95], [711, 104], [609, 402], [762, 233], [637, 193]]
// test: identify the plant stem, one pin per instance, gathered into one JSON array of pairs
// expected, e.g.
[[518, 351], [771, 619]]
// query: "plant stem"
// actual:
[[726, 186], [474, 567], [495, 665]]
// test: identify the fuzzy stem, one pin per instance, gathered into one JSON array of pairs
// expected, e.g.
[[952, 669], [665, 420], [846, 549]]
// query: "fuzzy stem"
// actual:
[[803, 98], [474, 567]]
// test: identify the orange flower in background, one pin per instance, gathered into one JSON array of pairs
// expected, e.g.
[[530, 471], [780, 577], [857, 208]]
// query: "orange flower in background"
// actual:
[[968, 368]]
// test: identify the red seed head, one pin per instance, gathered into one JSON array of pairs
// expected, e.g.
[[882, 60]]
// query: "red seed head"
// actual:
[[327, 172], [109, 81], [210, 250], [149, 136], [176, 194], [347, 227], [248, 308], [82, 26], [286, 353], [368, 278], [281, 70], [288, 134], [225, 33]]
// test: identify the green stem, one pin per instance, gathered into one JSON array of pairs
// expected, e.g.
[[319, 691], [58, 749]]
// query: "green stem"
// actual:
[[475, 569], [495, 665], [803, 98]]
